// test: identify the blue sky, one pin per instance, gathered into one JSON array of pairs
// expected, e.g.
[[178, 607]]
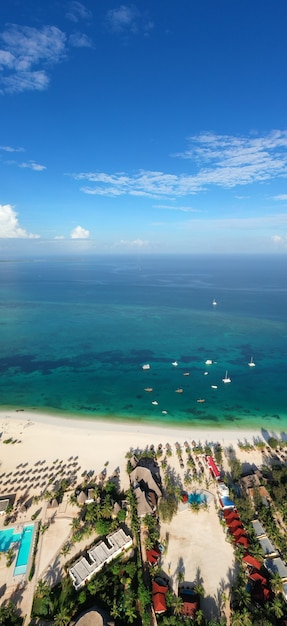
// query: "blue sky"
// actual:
[[157, 126]]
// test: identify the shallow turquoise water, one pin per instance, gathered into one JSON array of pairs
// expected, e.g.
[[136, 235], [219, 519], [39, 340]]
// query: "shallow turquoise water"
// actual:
[[74, 335]]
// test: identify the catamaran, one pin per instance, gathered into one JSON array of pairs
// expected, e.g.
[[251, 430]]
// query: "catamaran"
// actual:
[[251, 362]]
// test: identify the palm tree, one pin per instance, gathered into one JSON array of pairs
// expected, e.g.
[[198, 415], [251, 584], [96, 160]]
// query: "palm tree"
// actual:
[[276, 608], [241, 618], [43, 589], [199, 617], [187, 478], [66, 548], [177, 606], [242, 598], [63, 617], [276, 583], [180, 577], [75, 523]]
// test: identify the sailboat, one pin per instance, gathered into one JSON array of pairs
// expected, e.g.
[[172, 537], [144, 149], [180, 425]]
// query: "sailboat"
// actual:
[[214, 302], [251, 362], [226, 378]]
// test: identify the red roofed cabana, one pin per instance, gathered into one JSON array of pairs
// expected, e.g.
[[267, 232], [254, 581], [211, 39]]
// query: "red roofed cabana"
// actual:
[[242, 541], [230, 514], [213, 467], [235, 525], [158, 597], [257, 577], [152, 556], [190, 602], [251, 561], [239, 532]]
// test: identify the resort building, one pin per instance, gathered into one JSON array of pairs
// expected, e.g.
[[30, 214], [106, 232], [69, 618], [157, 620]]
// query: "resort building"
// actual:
[[269, 550], [146, 483], [159, 591], [259, 530], [190, 601], [99, 555]]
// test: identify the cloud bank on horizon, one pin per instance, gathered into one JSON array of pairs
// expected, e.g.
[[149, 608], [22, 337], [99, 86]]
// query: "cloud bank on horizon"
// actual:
[[112, 108]]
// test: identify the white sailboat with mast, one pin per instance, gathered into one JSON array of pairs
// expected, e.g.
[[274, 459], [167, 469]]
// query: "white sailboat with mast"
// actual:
[[226, 378]]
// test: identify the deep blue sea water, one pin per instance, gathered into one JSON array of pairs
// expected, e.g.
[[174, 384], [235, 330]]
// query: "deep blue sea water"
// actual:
[[75, 333]]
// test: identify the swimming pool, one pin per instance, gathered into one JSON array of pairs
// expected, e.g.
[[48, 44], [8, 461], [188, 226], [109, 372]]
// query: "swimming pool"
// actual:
[[8, 537], [196, 498]]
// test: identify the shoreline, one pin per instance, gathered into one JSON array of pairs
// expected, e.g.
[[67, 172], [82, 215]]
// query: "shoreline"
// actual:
[[134, 426], [273, 423]]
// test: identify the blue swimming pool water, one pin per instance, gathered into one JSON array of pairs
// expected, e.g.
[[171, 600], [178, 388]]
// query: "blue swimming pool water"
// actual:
[[24, 550], [198, 498], [8, 537]]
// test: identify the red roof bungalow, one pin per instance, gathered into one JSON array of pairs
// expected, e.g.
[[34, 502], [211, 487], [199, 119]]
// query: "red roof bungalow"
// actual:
[[230, 514], [235, 525], [256, 577], [242, 541], [261, 593], [213, 467], [239, 532], [251, 562], [158, 597], [190, 602], [152, 556]]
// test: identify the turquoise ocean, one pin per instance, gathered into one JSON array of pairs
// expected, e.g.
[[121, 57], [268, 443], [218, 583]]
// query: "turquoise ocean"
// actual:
[[74, 334]]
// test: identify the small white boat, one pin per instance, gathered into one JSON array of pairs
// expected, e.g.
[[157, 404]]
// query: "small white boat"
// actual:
[[214, 302], [186, 373], [148, 389], [206, 373], [179, 390], [200, 400], [175, 363], [226, 378], [251, 362], [155, 403], [213, 386], [164, 412], [146, 366], [208, 362]]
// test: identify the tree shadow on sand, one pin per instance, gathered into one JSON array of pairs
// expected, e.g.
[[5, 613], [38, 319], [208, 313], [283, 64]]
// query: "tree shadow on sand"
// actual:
[[53, 573]]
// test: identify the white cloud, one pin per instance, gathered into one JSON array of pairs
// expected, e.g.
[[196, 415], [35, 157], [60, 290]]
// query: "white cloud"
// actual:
[[279, 240], [237, 160], [11, 149], [23, 49], [33, 166], [184, 209], [9, 225], [127, 20], [80, 233], [282, 196], [77, 11], [80, 40], [135, 243], [222, 161]]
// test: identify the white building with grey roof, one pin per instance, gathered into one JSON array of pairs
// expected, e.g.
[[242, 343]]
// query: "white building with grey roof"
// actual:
[[99, 555]]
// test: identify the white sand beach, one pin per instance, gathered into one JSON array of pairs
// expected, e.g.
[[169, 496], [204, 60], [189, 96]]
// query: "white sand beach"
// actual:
[[96, 444]]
